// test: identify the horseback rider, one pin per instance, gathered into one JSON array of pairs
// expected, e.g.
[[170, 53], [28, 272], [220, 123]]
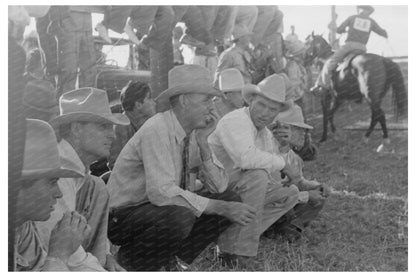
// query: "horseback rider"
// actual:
[[359, 29]]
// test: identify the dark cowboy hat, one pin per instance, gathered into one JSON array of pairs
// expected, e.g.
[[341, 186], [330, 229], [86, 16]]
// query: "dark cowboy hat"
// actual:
[[366, 7]]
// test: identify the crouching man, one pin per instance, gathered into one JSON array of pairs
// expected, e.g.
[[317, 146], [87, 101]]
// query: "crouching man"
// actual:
[[155, 214], [250, 154], [292, 224]]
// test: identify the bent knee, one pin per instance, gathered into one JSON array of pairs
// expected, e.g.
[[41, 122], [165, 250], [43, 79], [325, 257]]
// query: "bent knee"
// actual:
[[178, 222]]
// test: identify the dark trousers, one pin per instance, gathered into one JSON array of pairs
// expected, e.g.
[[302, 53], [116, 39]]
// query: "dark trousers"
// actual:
[[150, 235]]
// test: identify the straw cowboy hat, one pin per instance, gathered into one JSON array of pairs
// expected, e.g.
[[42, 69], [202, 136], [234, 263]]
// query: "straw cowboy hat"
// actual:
[[41, 96], [293, 116], [41, 156], [368, 8], [231, 79], [240, 31], [186, 79], [273, 87], [87, 104]]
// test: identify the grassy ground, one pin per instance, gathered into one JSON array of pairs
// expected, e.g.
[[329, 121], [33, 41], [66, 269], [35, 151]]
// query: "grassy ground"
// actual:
[[363, 226]]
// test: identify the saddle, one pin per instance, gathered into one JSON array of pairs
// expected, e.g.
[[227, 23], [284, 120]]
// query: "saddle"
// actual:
[[346, 63]]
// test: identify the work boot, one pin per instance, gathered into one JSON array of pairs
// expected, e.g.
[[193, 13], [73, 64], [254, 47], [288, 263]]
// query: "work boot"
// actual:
[[176, 264], [234, 261], [103, 32]]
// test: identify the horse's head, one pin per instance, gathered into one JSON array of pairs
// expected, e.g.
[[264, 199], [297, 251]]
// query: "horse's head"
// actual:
[[316, 46]]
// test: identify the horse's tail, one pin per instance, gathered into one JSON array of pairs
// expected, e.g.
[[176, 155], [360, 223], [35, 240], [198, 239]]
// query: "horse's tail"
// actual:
[[394, 78]]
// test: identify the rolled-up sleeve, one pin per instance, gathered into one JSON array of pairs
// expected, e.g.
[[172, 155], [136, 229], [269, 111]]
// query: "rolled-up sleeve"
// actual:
[[238, 140], [161, 185]]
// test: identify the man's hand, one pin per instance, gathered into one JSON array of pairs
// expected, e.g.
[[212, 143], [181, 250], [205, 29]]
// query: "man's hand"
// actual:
[[315, 197], [67, 235], [211, 121], [112, 265], [239, 213]]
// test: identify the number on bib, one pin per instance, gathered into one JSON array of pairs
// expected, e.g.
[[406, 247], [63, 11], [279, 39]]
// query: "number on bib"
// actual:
[[362, 24]]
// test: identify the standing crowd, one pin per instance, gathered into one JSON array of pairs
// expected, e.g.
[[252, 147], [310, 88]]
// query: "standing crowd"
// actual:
[[218, 167]]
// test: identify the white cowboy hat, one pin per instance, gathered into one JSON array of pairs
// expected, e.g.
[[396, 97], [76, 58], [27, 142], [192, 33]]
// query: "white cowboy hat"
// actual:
[[87, 104], [231, 79], [187, 79], [41, 156], [272, 87], [293, 116]]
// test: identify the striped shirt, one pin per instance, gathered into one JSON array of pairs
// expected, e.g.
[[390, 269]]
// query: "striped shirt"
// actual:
[[149, 167]]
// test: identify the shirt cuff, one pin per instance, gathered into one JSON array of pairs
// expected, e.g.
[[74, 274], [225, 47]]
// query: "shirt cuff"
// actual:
[[303, 197], [198, 202]]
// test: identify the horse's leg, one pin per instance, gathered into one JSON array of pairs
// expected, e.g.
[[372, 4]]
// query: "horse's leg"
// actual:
[[325, 102], [334, 108], [374, 120]]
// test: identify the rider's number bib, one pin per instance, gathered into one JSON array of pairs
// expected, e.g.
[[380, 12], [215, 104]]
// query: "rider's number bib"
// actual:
[[362, 24]]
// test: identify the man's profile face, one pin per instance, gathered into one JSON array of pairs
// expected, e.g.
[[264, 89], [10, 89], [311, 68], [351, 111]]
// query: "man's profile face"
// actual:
[[96, 139], [199, 109], [235, 98], [148, 107], [36, 200], [263, 111]]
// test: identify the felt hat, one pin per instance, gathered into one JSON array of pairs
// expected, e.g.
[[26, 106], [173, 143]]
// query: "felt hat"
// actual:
[[41, 96], [41, 156], [231, 79], [293, 116], [366, 7], [240, 31], [272, 87], [187, 79], [87, 104]]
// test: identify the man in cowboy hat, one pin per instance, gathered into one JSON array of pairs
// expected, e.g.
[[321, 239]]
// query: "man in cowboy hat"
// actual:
[[359, 30], [249, 154], [85, 128], [296, 220], [236, 56], [231, 83], [36, 198], [157, 209]]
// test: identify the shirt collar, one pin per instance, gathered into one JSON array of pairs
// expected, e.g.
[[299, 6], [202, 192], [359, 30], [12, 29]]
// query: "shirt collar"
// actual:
[[67, 152], [174, 125]]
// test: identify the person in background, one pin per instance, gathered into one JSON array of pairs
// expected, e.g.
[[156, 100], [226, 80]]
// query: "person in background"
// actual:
[[292, 37], [138, 106], [231, 83], [237, 55], [39, 100], [177, 46], [359, 27]]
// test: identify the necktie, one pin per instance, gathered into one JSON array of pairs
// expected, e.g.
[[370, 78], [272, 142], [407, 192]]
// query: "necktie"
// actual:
[[185, 168]]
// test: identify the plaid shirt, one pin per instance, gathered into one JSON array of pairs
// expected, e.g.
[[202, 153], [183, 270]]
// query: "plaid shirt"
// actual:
[[150, 165]]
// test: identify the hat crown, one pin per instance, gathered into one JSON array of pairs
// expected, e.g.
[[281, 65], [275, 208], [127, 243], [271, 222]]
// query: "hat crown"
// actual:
[[40, 94], [84, 100], [189, 74], [41, 147], [273, 87], [292, 115], [231, 79]]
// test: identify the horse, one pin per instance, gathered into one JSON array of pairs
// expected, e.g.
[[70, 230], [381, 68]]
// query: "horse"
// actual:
[[362, 76]]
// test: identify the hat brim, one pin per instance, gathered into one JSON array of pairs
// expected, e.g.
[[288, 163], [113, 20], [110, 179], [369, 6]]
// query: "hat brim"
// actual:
[[188, 89], [300, 125], [117, 119], [250, 90], [50, 173]]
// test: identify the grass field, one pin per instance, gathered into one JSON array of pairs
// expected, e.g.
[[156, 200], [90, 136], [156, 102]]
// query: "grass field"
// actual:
[[363, 226]]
